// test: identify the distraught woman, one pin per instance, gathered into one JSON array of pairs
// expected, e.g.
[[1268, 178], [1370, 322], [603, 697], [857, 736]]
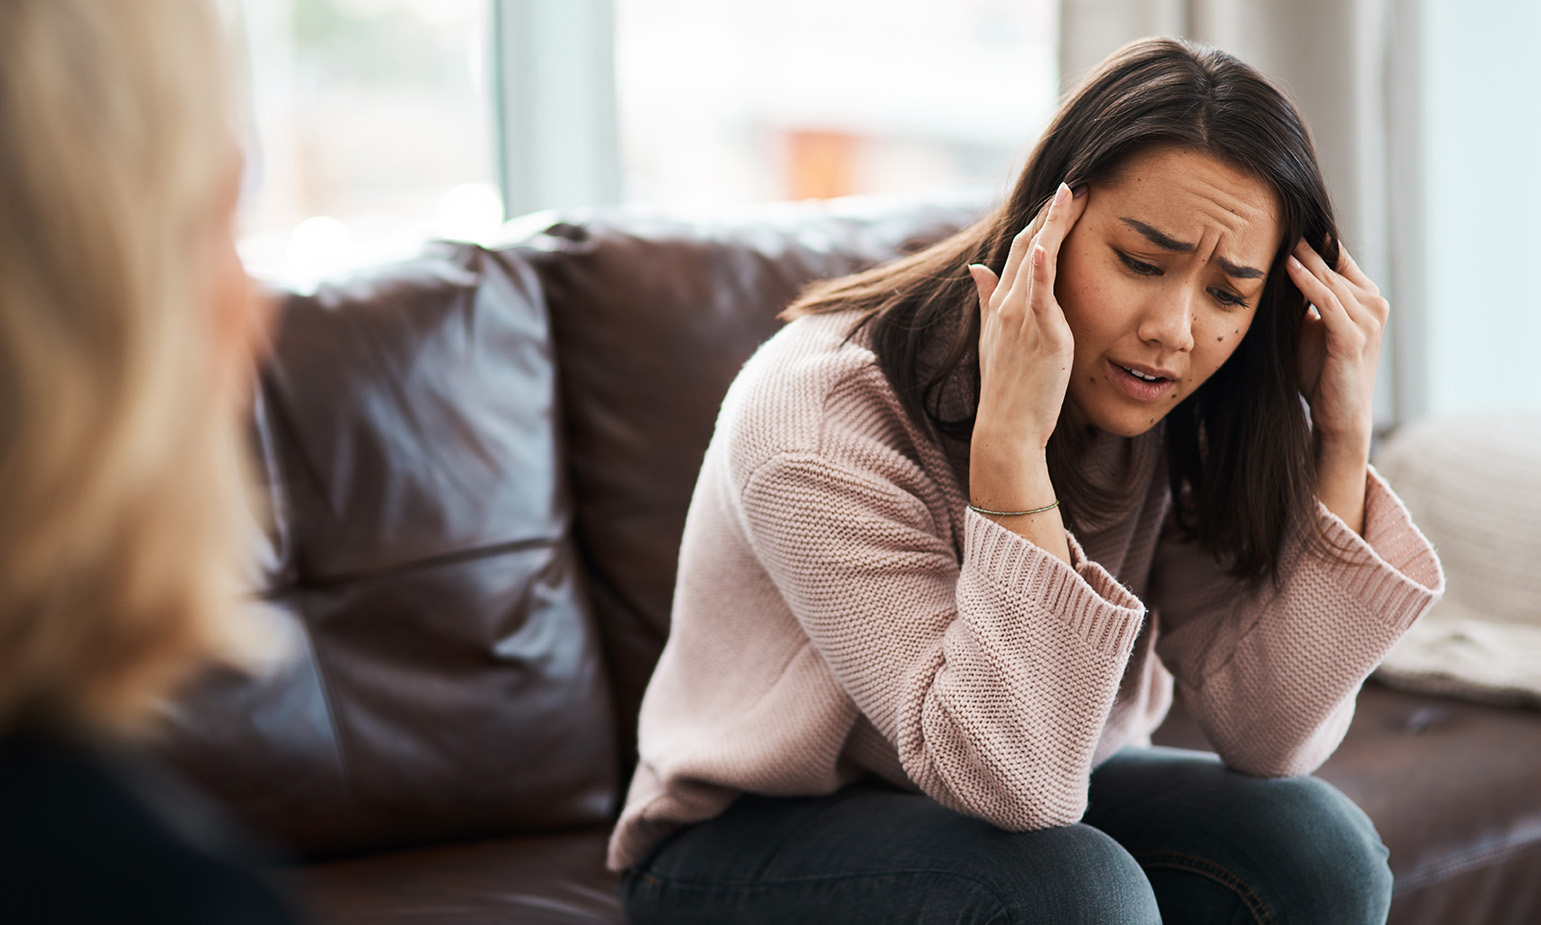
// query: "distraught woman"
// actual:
[[966, 519]]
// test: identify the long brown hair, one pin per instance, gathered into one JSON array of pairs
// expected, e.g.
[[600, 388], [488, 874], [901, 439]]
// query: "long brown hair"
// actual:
[[1239, 448]]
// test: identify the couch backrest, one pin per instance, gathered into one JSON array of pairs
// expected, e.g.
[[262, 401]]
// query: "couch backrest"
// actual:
[[480, 463], [445, 679]]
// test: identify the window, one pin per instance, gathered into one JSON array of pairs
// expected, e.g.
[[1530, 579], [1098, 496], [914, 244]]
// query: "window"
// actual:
[[381, 122], [373, 128], [814, 98]]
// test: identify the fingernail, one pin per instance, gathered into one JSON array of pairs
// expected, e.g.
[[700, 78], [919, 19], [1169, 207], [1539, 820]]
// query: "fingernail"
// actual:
[[1295, 263], [1061, 193]]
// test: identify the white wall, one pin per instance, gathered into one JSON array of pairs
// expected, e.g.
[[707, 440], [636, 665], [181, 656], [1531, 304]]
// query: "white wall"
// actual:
[[1482, 173]]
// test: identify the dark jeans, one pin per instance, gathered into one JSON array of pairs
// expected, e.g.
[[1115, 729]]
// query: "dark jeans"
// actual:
[[1170, 836]]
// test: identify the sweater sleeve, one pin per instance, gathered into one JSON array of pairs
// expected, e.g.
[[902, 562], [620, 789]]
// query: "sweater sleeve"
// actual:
[[992, 677], [1271, 672]]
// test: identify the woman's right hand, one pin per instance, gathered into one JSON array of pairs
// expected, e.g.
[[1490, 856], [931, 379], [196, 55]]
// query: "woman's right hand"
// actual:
[[1025, 352], [1025, 345]]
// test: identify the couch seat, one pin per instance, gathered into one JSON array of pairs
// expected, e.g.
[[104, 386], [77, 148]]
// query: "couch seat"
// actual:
[[1462, 837], [557, 879]]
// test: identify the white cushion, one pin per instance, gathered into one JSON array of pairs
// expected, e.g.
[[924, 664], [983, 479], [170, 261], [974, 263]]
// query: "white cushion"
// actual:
[[1473, 485]]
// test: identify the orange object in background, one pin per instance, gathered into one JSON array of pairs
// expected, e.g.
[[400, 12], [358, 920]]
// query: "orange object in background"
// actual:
[[821, 165]]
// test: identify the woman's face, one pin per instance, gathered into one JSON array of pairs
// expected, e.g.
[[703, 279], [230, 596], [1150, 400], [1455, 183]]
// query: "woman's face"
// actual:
[[1159, 281]]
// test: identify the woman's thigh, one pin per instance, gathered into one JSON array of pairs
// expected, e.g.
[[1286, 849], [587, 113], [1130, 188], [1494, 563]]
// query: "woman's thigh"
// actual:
[[873, 854], [1219, 846]]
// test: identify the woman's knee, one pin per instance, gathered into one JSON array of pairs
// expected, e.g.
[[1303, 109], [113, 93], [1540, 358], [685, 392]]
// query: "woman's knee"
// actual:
[[1071, 874], [1321, 842], [876, 855]]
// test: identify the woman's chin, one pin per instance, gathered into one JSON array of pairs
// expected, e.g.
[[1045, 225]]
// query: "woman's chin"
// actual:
[[1130, 428], [1120, 421]]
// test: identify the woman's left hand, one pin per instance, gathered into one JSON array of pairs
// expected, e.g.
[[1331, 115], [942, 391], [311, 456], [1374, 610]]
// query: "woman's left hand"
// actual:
[[1340, 342]]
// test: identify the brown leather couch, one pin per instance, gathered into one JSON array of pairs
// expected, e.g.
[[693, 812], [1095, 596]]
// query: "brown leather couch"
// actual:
[[479, 463]]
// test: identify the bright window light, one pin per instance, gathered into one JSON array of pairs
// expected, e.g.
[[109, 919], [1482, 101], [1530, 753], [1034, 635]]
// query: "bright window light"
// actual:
[[372, 130], [816, 98]]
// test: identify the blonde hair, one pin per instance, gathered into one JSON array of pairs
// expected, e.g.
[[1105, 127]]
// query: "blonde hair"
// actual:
[[124, 511]]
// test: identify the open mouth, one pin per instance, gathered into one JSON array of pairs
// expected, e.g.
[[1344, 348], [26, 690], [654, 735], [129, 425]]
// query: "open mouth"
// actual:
[[1138, 384], [1143, 377]]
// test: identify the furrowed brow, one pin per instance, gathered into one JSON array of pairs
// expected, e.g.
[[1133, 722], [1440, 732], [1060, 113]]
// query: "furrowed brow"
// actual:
[[1169, 243], [1165, 242], [1239, 272]]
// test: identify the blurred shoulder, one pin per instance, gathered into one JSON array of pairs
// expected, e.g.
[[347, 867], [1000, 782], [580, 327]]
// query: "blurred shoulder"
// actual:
[[93, 833]]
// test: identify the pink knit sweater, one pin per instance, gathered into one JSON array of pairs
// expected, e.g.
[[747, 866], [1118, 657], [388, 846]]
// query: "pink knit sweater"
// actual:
[[839, 611]]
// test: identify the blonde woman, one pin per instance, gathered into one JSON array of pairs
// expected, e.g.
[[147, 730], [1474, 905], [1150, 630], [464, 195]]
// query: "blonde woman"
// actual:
[[127, 334]]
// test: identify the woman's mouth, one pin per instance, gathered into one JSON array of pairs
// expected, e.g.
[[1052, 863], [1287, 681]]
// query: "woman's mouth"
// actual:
[[1140, 384]]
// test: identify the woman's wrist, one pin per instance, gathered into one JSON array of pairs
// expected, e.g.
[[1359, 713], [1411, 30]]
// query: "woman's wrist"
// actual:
[[1044, 509], [1013, 488], [1346, 443], [1005, 478], [1342, 468]]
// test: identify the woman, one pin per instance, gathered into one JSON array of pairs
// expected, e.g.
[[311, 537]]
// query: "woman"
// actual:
[[968, 516], [127, 338]]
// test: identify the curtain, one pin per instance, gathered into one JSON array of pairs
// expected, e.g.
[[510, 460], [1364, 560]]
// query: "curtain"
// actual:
[[1351, 66]]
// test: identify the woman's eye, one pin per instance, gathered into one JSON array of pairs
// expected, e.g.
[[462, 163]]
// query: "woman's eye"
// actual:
[[1225, 297], [1139, 266]]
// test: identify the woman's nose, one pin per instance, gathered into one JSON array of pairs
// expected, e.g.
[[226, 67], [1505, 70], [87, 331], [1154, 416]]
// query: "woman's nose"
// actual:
[[1168, 320]]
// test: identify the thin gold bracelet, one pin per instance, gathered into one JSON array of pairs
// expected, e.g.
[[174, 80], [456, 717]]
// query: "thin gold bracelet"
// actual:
[[1037, 510]]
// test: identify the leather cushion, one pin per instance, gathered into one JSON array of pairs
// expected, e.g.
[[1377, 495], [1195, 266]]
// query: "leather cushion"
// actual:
[[446, 680], [550, 880]]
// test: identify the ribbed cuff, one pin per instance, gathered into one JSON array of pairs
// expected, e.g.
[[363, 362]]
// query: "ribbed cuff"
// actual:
[[1392, 570], [1091, 601]]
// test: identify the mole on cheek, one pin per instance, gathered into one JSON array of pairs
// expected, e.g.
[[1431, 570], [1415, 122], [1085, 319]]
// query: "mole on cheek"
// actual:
[[1221, 338], [1092, 378]]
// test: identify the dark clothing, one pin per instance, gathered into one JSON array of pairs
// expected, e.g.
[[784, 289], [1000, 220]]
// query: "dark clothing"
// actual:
[[96, 834], [1170, 836]]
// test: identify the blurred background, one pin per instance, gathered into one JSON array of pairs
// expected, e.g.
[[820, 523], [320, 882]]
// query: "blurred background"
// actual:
[[376, 123]]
